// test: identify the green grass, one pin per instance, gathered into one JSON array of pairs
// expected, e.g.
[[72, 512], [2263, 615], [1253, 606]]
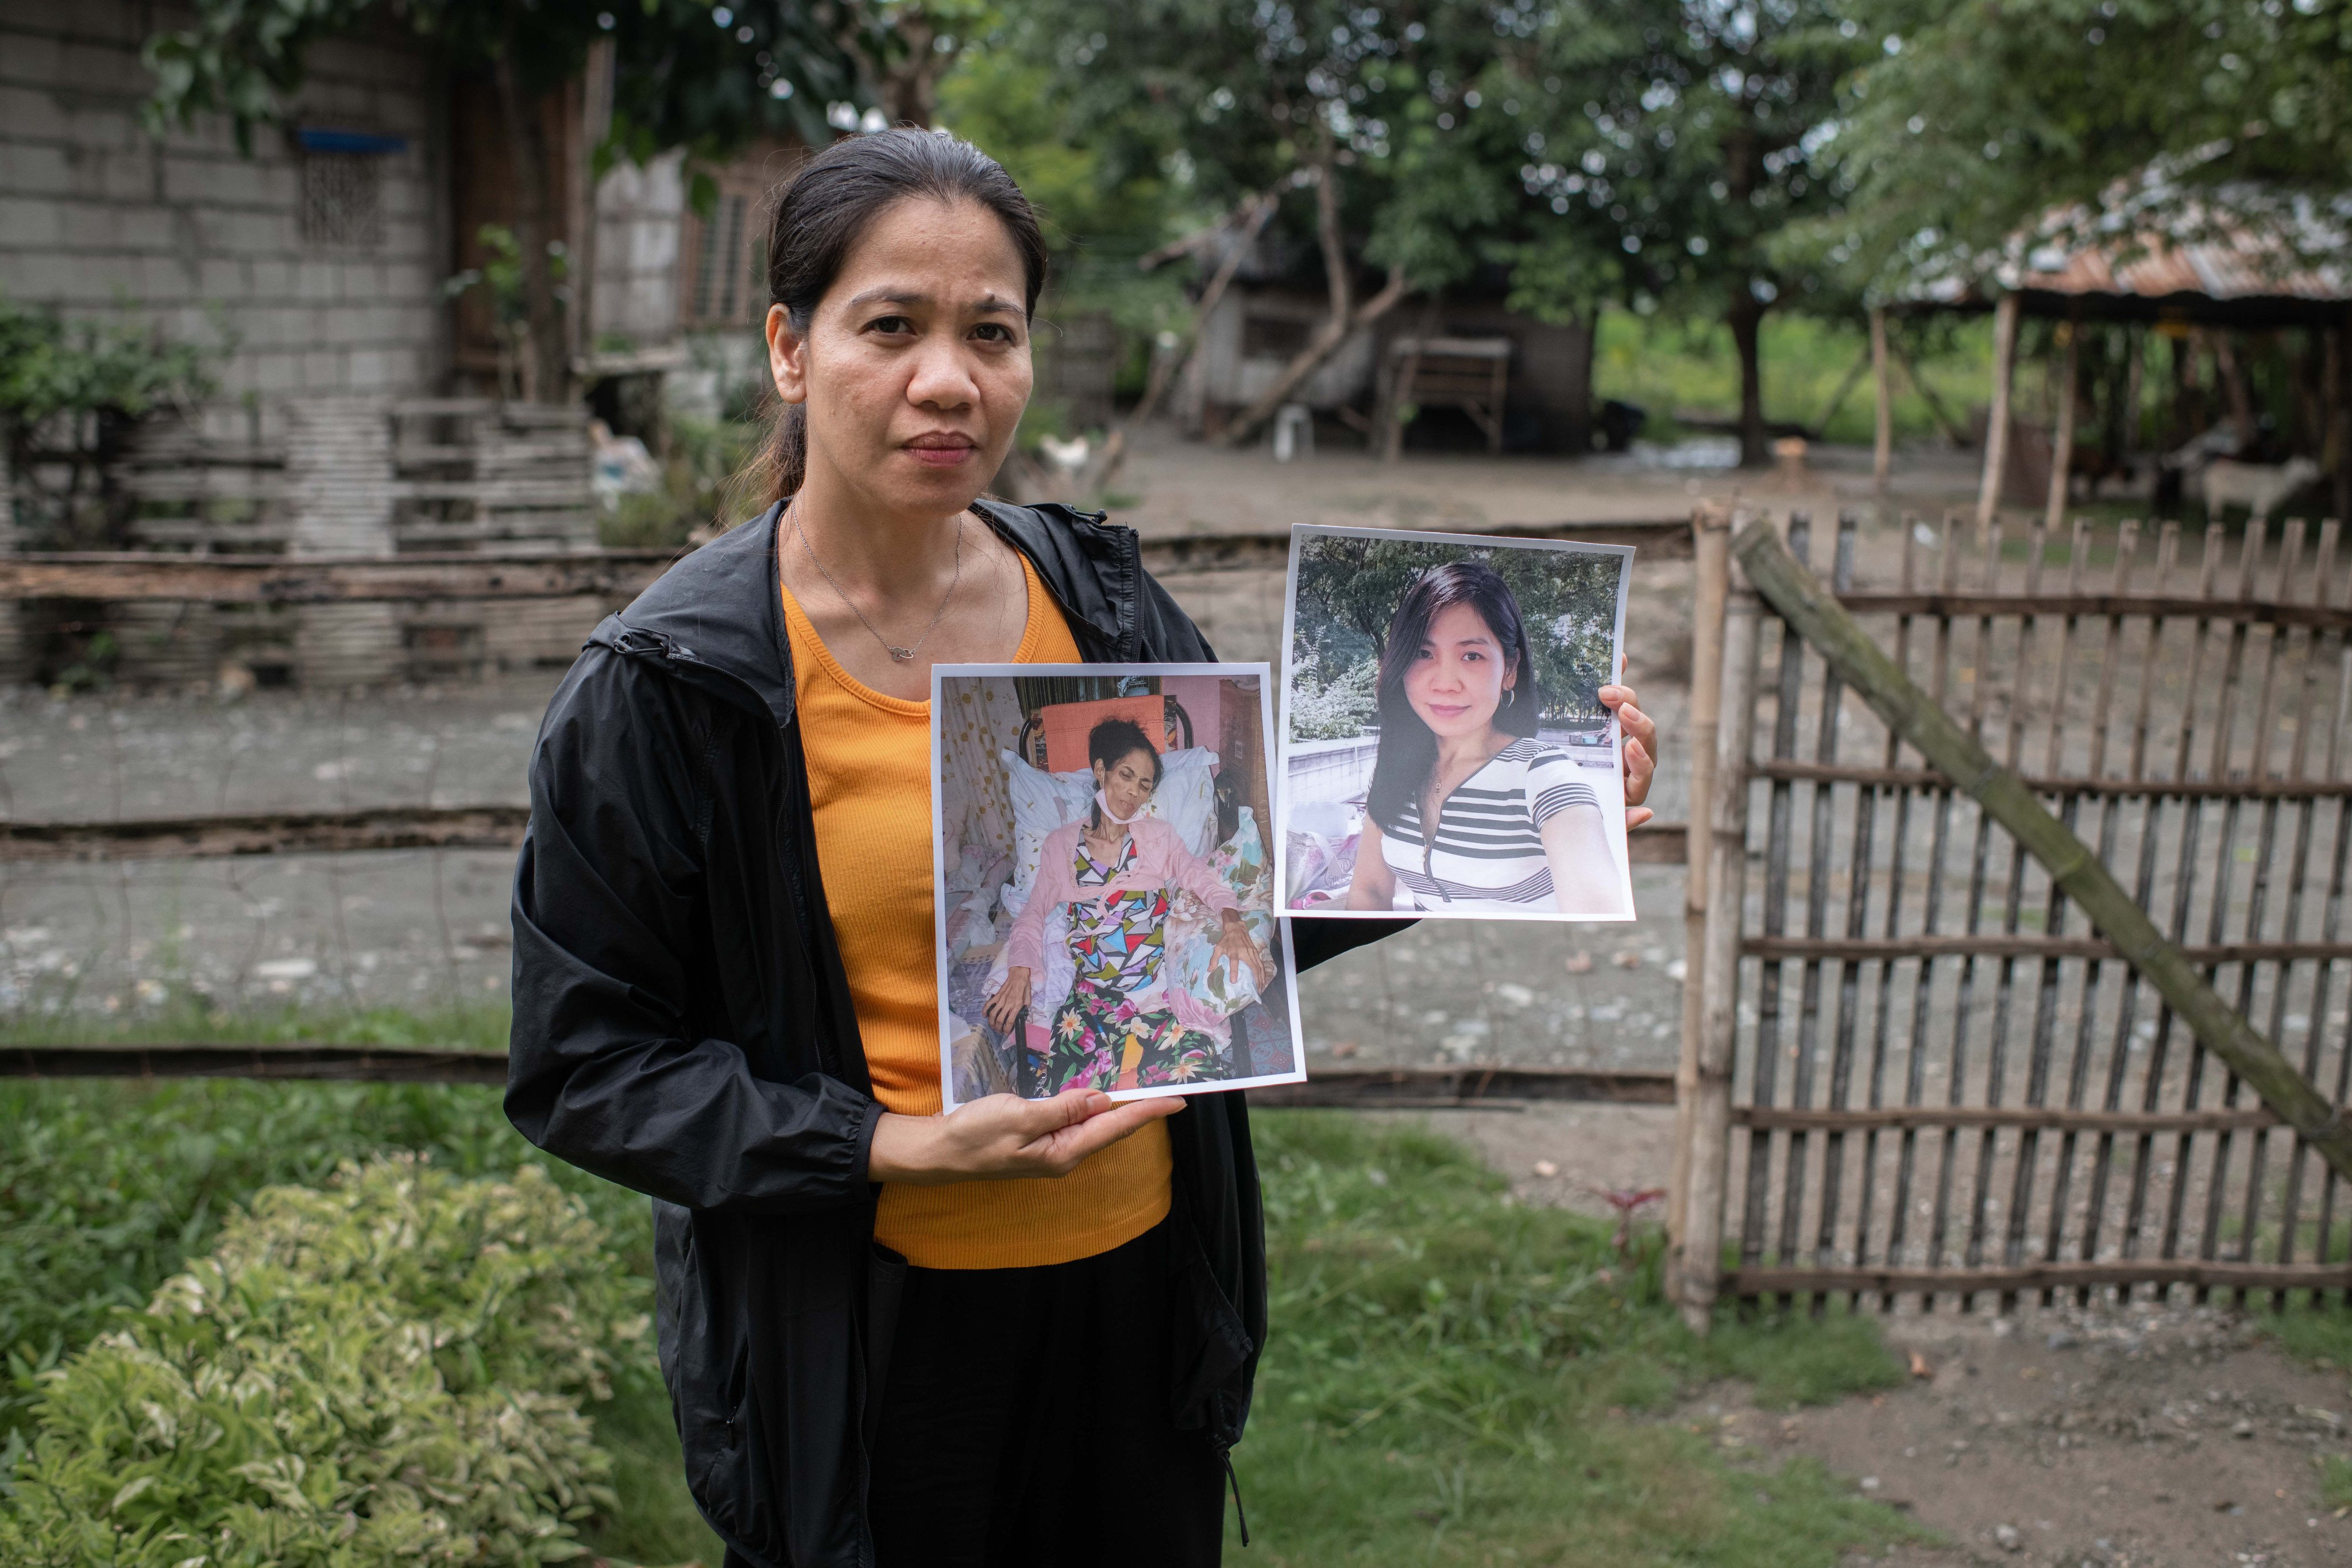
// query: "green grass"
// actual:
[[2320, 1335], [185, 1017], [1450, 1379], [2334, 1480], [1664, 365]]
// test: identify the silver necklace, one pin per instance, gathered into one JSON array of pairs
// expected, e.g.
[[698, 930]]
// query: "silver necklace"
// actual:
[[903, 654]]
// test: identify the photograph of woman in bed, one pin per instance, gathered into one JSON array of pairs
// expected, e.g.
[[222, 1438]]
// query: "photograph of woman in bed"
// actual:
[[1515, 828], [1117, 872]]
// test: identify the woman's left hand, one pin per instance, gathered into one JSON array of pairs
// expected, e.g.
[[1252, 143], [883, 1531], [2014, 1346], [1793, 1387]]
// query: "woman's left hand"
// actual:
[[1641, 751], [1237, 947]]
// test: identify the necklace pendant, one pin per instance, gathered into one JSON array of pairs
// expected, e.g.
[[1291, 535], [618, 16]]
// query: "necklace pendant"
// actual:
[[903, 654]]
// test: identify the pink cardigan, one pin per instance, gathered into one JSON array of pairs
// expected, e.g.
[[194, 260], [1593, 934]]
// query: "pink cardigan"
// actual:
[[1161, 861]]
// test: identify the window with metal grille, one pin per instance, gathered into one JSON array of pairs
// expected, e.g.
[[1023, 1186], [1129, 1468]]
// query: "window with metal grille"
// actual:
[[720, 268], [343, 199]]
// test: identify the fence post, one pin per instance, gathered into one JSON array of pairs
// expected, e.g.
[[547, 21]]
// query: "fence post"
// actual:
[[1711, 549], [1725, 831]]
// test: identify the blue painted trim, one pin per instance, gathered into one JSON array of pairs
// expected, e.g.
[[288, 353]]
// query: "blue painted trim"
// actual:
[[316, 140]]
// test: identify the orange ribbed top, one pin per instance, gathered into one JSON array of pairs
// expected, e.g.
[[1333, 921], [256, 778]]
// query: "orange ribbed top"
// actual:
[[869, 765]]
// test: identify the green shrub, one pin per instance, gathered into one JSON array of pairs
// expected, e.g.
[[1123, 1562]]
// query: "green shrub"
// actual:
[[386, 1371], [108, 1187]]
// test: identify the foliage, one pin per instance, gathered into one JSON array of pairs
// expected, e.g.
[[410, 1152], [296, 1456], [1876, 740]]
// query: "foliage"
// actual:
[[110, 1186], [1102, 189], [502, 273], [685, 75], [1979, 116], [69, 394], [704, 454], [50, 367], [1568, 155], [1348, 590], [1331, 704], [1662, 363], [103, 1192], [1489, 1345], [1452, 1377], [385, 1371]]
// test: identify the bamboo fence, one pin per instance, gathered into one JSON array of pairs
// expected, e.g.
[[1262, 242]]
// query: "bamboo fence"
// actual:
[[1914, 1071]]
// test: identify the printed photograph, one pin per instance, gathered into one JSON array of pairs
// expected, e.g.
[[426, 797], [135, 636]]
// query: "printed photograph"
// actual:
[[1444, 749], [1105, 881]]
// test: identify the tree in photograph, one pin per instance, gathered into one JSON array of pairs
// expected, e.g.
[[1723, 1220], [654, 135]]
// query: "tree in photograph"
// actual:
[[706, 78], [1349, 589]]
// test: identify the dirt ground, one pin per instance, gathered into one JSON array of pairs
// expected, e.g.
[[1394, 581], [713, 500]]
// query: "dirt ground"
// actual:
[[2142, 1435], [1173, 487]]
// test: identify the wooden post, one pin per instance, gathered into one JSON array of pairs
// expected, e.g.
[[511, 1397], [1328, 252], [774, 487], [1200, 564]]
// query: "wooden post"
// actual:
[[1700, 1268], [1953, 430], [2004, 367], [1800, 599], [2135, 375], [1881, 461], [2062, 444], [1400, 394], [1711, 546]]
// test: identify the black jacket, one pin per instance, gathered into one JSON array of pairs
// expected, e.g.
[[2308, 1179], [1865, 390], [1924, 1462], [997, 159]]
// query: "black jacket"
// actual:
[[683, 1027]]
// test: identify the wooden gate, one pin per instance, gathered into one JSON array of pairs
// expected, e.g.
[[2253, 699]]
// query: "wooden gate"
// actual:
[[1912, 1073]]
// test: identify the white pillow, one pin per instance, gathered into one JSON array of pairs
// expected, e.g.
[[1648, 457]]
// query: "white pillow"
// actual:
[[1042, 802], [1187, 797], [1186, 800]]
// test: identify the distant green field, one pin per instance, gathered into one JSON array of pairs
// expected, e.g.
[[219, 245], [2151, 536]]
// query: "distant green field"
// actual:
[[1664, 366]]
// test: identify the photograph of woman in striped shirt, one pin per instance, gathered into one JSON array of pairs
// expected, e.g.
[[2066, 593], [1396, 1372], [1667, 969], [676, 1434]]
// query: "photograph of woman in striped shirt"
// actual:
[[1469, 811]]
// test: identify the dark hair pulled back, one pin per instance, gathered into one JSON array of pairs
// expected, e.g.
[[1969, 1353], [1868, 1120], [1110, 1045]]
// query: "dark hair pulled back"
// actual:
[[1408, 750], [823, 210], [1112, 741]]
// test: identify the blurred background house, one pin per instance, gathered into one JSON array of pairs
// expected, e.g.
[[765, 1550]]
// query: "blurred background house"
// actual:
[[362, 388]]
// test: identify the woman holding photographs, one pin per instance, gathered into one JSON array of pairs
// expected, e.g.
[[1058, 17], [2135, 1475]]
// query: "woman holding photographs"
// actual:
[[725, 986], [1117, 872], [1468, 811]]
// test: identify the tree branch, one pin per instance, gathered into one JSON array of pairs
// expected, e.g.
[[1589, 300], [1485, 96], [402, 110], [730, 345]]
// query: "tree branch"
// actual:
[[1344, 317], [1165, 367]]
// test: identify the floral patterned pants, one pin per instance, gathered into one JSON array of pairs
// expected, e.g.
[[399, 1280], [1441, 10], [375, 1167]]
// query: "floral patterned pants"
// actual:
[[1101, 1040]]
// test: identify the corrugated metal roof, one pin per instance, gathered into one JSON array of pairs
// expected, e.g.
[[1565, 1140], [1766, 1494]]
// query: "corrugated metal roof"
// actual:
[[2232, 263], [2151, 239]]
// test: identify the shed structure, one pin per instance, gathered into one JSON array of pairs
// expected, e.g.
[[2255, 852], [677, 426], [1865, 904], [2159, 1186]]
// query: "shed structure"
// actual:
[[2237, 260]]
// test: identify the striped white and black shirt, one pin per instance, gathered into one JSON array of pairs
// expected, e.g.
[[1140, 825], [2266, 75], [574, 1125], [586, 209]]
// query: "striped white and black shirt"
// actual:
[[1489, 843]]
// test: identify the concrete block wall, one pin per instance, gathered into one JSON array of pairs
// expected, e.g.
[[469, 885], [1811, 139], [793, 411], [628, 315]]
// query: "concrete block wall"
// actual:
[[640, 213], [96, 215]]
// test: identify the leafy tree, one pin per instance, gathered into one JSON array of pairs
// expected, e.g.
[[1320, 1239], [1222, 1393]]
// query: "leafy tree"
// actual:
[[1101, 186], [929, 37], [707, 78], [1674, 140], [1977, 116]]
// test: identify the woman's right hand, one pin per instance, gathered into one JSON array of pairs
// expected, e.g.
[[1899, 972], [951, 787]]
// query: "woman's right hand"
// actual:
[[1005, 1136], [1004, 1008], [1372, 885]]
